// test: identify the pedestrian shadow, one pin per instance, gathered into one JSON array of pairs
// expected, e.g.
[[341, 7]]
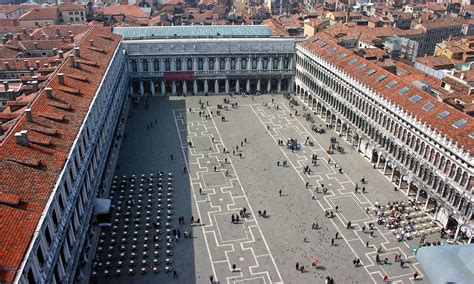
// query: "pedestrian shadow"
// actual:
[[320, 267]]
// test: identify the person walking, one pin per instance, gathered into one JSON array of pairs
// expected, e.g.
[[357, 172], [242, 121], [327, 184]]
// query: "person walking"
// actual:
[[307, 184], [415, 275], [200, 191], [337, 235], [175, 274], [367, 243], [332, 242], [211, 278], [280, 191], [297, 265]]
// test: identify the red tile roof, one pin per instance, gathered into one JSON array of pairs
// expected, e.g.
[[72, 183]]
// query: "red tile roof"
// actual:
[[32, 172], [125, 10], [459, 135], [50, 13], [71, 7]]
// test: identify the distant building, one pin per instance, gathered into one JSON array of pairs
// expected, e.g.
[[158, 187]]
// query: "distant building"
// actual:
[[71, 14], [39, 17]]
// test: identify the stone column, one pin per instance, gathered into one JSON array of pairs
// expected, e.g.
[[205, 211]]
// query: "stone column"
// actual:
[[142, 91], [206, 86], [163, 87], [417, 194], [195, 87], [173, 64], [249, 63], [270, 63], [216, 86], [162, 64], [227, 86], [426, 203], [258, 85], [279, 86], [206, 64], [269, 85], [259, 64], [173, 89], [248, 86], [238, 64], [280, 63], [227, 64], [237, 86], [185, 87], [195, 65], [152, 87], [131, 88]]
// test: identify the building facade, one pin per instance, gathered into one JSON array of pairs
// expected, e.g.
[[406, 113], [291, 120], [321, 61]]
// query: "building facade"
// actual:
[[78, 111], [392, 124], [213, 65]]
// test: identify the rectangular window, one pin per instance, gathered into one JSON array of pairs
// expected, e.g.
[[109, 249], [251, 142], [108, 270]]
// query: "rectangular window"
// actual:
[[443, 114], [55, 218], [332, 50], [428, 106], [370, 72], [342, 56], [47, 236], [39, 255], [459, 123], [403, 90], [381, 77], [362, 66], [352, 61], [322, 44], [415, 99], [391, 84]]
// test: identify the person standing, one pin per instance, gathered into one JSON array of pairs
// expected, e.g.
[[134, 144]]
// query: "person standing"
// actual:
[[415, 275], [332, 242], [297, 265], [211, 278], [280, 191]]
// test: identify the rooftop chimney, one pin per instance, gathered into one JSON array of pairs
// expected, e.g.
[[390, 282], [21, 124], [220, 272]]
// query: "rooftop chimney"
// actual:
[[32, 71], [47, 24], [5, 86], [31, 36], [57, 62], [17, 36], [49, 93], [55, 51], [7, 65], [71, 37], [61, 54], [78, 64], [24, 30], [37, 64], [91, 42], [26, 64], [35, 44], [22, 138], [35, 86], [58, 32], [72, 60], [4, 40], [77, 52], [29, 116], [61, 78]]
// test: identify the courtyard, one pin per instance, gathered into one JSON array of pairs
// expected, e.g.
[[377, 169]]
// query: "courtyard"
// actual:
[[173, 135]]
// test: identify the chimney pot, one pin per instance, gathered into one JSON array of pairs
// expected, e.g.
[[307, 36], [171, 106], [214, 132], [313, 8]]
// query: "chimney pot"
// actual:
[[5, 86], [61, 54], [24, 30], [26, 64], [29, 116], [4, 40], [78, 64], [17, 36], [32, 71], [61, 78], [35, 85], [91, 42], [37, 63], [71, 37], [7, 65], [22, 138], [49, 93], [35, 44], [58, 32], [55, 51], [31, 36], [72, 60], [77, 52], [57, 62]]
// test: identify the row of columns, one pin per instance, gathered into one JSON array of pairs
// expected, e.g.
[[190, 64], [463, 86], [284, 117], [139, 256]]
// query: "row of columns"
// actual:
[[247, 65], [207, 88]]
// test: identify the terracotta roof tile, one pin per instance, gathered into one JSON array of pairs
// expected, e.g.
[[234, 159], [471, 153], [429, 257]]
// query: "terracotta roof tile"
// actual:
[[32, 172], [459, 135]]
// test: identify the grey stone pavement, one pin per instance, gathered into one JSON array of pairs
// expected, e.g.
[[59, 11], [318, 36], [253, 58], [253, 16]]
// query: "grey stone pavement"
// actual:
[[264, 250]]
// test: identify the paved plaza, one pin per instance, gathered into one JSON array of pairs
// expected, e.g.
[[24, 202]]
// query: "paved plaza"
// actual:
[[217, 184]]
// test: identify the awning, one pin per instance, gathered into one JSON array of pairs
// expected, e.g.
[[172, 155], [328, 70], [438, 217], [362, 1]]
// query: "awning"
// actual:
[[102, 206], [179, 75]]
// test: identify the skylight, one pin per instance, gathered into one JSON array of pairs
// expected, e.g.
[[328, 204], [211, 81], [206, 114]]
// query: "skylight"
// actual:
[[403, 90], [443, 114], [471, 135], [352, 61], [362, 66], [428, 106], [415, 99], [459, 123], [370, 72], [381, 77], [392, 83], [342, 55], [332, 49], [322, 44]]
